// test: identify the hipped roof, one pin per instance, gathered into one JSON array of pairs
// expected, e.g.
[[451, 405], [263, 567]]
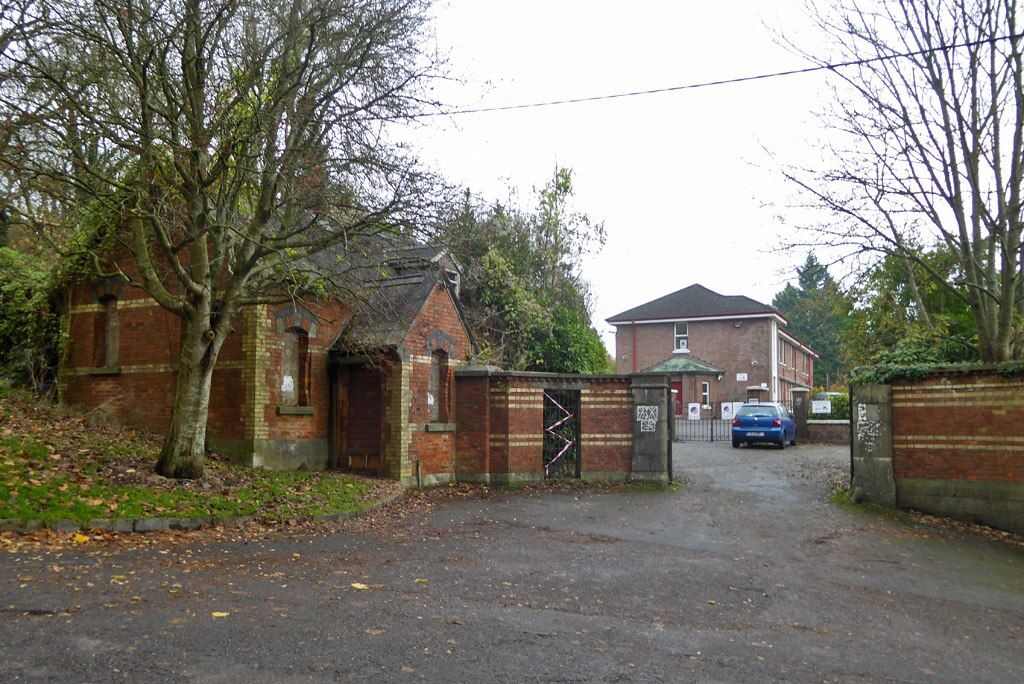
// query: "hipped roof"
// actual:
[[695, 301]]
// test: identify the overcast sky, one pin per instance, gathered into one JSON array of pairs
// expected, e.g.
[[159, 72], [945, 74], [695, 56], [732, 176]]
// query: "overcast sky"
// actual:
[[680, 180]]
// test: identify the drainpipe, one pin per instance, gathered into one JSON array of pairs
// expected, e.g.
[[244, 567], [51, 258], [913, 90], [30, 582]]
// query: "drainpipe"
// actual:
[[632, 355]]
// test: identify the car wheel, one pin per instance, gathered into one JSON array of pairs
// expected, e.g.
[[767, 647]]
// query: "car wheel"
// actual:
[[735, 444], [792, 442], [782, 444]]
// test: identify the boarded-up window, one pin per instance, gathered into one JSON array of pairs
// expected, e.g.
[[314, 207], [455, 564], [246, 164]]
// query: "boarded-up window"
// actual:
[[295, 368], [106, 333], [437, 388]]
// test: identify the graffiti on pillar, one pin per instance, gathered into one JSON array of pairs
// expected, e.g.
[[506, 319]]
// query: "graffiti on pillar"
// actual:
[[647, 416], [868, 426]]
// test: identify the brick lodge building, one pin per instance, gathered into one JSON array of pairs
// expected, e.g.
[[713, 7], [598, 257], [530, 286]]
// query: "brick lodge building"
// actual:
[[293, 386], [715, 348]]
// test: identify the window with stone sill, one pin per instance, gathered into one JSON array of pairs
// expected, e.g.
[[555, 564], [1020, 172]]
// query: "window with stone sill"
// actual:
[[295, 368], [682, 337], [106, 333], [437, 388]]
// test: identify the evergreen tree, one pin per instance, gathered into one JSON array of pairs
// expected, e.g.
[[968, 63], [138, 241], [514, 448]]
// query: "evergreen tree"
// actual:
[[818, 312]]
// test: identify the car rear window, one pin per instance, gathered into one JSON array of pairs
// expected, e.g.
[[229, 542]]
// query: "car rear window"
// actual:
[[758, 411]]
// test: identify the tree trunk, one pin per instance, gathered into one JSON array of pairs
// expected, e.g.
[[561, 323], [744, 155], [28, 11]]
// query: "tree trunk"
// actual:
[[184, 448]]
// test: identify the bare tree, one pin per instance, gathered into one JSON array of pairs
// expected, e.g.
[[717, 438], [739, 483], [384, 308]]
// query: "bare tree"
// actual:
[[236, 150], [929, 124]]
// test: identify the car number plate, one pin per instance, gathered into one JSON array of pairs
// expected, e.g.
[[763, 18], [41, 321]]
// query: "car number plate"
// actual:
[[755, 434]]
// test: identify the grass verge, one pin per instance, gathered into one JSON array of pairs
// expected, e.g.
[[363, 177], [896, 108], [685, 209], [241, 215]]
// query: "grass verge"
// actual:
[[57, 465]]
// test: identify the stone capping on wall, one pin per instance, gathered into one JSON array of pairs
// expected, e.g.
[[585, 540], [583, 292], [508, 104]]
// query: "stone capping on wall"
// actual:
[[827, 421], [477, 371], [294, 410], [99, 370]]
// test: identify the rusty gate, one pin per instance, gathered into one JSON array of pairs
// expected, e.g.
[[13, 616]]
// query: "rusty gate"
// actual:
[[562, 433]]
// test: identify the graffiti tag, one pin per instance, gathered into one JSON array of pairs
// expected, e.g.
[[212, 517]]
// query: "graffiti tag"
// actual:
[[647, 416]]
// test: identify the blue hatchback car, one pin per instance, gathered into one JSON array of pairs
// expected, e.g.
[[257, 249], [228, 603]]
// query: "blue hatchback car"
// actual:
[[765, 424]]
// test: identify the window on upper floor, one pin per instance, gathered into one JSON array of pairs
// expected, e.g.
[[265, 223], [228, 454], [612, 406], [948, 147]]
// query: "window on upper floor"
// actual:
[[705, 394], [437, 388], [106, 333], [295, 368], [682, 338]]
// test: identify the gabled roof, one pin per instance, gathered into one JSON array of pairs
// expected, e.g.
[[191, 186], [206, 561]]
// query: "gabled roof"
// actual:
[[396, 300], [695, 301], [683, 364]]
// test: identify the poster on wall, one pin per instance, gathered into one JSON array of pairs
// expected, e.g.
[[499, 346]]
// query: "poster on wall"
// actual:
[[819, 406], [693, 413], [727, 413]]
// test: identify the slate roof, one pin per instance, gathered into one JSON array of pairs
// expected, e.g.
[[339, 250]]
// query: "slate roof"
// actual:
[[684, 364], [695, 301], [397, 294]]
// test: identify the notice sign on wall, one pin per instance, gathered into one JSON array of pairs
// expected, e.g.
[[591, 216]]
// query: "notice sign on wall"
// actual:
[[647, 416], [693, 412], [729, 409], [821, 406], [741, 377]]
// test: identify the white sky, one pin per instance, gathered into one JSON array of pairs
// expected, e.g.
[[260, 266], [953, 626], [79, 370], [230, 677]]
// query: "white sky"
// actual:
[[680, 180]]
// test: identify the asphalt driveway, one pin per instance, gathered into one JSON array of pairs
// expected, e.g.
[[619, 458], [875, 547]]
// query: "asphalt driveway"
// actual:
[[746, 573]]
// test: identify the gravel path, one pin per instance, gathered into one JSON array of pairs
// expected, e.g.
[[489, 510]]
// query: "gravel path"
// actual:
[[746, 573]]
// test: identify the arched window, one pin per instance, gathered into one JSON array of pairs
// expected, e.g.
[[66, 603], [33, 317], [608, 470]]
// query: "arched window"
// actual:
[[437, 388], [106, 333], [295, 368]]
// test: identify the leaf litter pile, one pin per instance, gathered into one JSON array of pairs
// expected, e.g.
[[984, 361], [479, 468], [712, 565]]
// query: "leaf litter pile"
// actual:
[[59, 465]]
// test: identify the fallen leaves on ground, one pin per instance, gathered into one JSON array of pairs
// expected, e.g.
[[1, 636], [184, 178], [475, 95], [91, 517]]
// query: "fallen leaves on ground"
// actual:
[[59, 464]]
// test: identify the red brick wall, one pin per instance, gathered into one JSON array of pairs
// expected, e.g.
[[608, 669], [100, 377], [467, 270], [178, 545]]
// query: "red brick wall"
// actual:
[[959, 427], [796, 369], [438, 324], [654, 342], [606, 424], [508, 437], [746, 349], [525, 426], [736, 350], [472, 440], [329, 318], [151, 336]]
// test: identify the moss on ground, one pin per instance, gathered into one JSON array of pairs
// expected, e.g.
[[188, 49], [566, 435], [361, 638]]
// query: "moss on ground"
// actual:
[[55, 465]]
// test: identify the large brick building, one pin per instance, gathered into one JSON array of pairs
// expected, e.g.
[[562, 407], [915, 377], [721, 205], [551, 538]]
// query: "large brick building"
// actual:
[[717, 348], [316, 384]]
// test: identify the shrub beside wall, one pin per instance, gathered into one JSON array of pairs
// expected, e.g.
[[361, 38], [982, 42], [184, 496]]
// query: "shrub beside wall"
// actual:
[[29, 323]]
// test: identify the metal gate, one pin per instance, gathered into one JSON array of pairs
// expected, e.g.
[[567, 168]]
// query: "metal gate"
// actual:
[[561, 433], [708, 423]]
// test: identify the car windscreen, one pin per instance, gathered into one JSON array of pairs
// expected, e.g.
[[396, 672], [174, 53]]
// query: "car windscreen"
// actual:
[[758, 411]]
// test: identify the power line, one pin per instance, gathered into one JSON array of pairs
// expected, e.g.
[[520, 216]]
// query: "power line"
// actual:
[[727, 81]]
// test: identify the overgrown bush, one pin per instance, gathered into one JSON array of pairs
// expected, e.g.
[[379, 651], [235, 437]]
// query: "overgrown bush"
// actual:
[[840, 407], [29, 323]]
